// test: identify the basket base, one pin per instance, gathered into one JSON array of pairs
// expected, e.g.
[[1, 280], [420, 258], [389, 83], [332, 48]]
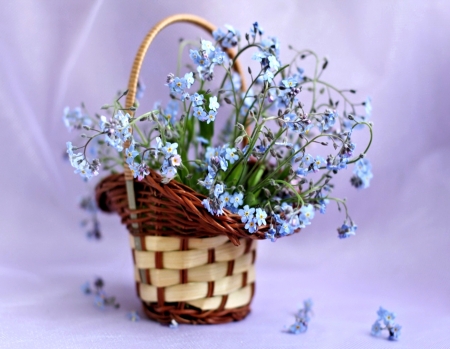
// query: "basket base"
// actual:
[[185, 314]]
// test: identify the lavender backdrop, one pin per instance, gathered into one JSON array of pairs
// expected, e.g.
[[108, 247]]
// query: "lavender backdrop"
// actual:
[[56, 53]]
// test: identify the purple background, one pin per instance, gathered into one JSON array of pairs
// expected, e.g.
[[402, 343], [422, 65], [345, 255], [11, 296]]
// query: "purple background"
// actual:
[[56, 53]]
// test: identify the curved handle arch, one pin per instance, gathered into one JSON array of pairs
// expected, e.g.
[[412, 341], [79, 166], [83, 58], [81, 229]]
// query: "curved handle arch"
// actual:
[[137, 64]]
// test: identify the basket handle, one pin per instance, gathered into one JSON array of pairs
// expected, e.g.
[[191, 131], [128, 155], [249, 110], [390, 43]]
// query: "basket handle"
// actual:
[[134, 76]]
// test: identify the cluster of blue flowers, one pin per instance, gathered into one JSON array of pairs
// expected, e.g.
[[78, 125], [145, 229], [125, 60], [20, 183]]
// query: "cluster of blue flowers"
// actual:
[[217, 160], [82, 166], [117, 130], [386, 319], [347, 230], [227, 38], [362, 174], [101, 300], [75, 118], [206, 58], [269, 62], [302, 318]]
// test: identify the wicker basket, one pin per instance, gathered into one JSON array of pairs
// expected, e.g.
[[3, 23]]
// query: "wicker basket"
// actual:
[[190, 266]]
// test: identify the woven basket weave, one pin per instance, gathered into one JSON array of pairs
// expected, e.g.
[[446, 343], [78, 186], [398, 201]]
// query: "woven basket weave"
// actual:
[[190, 266]]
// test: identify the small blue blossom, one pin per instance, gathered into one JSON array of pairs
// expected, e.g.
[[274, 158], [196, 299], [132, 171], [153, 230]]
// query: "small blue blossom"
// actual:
[[307, 159], [130, 154], [298, 327], [231, 155], [133, 316], [170, 149], [307, 214], [218, 190], [238, 199], [363, 174], [268, 76], [211, 116], [228, 38], [200, 114], [226, 198], [171, 111], [197, 99], [99, 301], [86, 288], [207, 46], [387, 318], [318, 163], [260, 216], [246, 213], [345, 231], [273, 63], [395, 332], [376, 329], [178, 85], [251, 225], [75, 119], [256, 29], [270, 234]]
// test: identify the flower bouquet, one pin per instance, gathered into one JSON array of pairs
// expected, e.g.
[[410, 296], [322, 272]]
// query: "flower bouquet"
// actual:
[[219, 166]]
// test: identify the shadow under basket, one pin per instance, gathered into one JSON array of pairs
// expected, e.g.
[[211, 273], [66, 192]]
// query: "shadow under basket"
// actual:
[[189, 266]]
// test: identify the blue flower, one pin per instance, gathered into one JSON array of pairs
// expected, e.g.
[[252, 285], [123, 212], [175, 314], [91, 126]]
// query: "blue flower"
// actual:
[[133, 316], [227, 39], [298, 327], [130, 154], [237, 199], [256, 29], [285, 229], [200, 114], [218, 190], [171, 111], [99, 301], [395, 332], [251, 225], [207, 46], [363, 174], [197, 99], [231, 155], [328, 120], [206, 204], [268, 76], [307, 213], [270, 234], [388, 318], [345, 231], [289, 82], [307, 159], [260, 216], [273, 63], [170, 149], [178, 85], [211, 116], [75, 119], [301, 171], [246, 213], [226, 198], [376, 329], [86, 288], [318, 162]]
